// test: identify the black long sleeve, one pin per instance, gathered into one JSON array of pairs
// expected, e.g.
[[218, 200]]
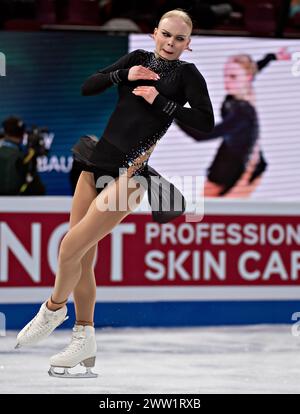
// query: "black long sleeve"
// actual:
[[262, 63], [107, 77], [234, 122], [200, 115]]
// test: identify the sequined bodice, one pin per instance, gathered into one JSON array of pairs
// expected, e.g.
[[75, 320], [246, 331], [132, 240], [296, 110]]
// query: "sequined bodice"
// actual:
[[135, 125], [161, 66]]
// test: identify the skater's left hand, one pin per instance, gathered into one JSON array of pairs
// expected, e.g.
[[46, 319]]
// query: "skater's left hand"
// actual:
[[149, 93]]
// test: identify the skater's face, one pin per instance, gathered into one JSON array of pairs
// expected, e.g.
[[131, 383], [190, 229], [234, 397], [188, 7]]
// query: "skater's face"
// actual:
[[172, 37], [236, 78]]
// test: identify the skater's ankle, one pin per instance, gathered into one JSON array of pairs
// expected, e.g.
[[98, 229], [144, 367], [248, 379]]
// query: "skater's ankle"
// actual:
[[53, 305], [84, 323]]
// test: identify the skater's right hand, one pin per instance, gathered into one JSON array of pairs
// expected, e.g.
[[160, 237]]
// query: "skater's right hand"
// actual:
[[140, 72], [283, 54]]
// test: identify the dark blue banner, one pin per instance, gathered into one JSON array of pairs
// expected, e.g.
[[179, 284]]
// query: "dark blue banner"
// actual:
[[44, 73]]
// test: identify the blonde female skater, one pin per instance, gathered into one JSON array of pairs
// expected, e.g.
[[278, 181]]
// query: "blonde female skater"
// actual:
[[153, 88]]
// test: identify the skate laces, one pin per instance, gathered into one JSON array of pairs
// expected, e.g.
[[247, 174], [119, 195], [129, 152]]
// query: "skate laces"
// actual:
[[76, 344], [42, 320]]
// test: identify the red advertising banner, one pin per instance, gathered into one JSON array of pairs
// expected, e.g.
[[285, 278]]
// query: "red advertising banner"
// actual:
[[221, 250]]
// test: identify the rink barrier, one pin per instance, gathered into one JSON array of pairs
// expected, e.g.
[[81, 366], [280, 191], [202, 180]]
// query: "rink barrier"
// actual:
[[128, 294]]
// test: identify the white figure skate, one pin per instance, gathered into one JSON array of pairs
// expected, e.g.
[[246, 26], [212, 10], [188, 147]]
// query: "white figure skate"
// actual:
[[41, 326], [81, 350]]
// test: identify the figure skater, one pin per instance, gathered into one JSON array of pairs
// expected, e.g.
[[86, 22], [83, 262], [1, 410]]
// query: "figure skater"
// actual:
[[239, 162], [153, 89]]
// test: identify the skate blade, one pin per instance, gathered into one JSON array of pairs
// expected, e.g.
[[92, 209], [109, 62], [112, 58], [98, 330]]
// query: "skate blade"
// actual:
[[17, 346], [67, 374]]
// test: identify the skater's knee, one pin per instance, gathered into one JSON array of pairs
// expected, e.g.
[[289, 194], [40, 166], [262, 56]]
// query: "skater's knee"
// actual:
[[67, 252]]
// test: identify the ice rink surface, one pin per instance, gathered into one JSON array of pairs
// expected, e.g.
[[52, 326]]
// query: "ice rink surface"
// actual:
[[243, 359]]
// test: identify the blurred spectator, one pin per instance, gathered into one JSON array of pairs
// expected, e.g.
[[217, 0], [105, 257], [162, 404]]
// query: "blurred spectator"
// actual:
[[121, 24], [206, 13], [294, 13], [4, 11], [17, 9]]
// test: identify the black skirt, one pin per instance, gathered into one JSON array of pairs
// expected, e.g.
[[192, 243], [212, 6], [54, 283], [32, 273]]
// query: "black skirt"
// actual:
[[104, 159]]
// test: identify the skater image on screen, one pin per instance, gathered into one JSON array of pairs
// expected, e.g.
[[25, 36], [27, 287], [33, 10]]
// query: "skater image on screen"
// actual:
[[239, 162], [153, 88]]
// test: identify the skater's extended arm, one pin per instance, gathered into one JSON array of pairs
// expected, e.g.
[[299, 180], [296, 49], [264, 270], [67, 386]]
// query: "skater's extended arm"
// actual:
[[262, 63], [282, 54]]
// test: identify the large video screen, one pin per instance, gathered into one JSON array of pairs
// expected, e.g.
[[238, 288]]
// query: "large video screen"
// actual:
[[254, 150]]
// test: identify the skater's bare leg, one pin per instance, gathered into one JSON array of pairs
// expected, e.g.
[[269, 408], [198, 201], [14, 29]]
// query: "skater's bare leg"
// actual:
[[84, 194], [84, 293], [95, 225]]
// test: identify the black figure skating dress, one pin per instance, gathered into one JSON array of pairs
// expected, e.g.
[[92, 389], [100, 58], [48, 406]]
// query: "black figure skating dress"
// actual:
[[135, 126]]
